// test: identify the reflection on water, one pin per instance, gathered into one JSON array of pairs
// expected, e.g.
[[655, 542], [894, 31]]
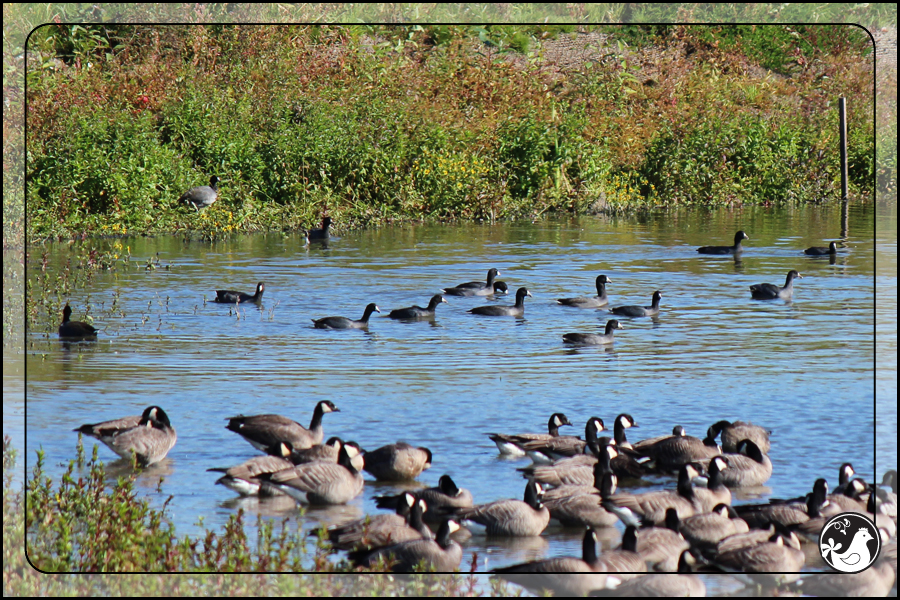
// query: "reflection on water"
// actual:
[[802, 369]]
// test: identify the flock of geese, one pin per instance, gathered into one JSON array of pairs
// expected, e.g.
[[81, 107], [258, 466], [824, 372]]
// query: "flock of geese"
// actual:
[[572, 481], [206, 195]]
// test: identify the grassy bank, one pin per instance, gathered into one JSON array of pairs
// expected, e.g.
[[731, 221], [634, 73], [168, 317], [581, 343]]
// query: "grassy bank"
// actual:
[[85, 524], [375, 125]]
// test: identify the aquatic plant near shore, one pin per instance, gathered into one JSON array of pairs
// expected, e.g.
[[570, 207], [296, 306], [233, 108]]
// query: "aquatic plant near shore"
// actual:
[[87, 524]]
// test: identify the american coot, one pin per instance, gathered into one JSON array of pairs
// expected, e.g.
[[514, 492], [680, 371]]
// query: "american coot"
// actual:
[[768, 291], [149, 437], [517, 310], [202, 196], [478, 288], [593, 338], [417, 312], [264, 431], [820, 251], [319, 482], [738, 237], [75, 330], [590, 302], [231, 297], [344, 322], [640, 311], [320, 234], [499, 287]]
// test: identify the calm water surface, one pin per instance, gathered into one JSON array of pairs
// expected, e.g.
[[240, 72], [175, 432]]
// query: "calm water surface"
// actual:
[[803, 368]]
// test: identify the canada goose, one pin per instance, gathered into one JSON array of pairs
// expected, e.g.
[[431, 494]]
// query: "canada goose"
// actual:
[[639, 311], [877, 507], [75, 330], [600, 466], [563, 576], [510, 517], [845, 473], [595, 339], [773, 563], [768, 291], [623, 422], [244, 478], [397, 462], [322, 234], [661, 547], [715, 491], [417, 312], [440, 501], [585, 510], [441, 554], [820, 251], [264, 431], [759, 516], [669, 453], [344, 322], [642, 447], [650, 508], [499, 287], [445, 497], [231, 297], [874, 582], [319, 482], [625, 558], [477, 287], [202, 196], [708, 529], [659, 585], [735, 249], [574, 471], [747, 539], [511, 444], [823, 506], [889, 480], [548, 450], [383, 529], [887, 493], [593, 301], [750, 468], [851, 499], [733, 433], [493, 310], [149, 437], [328, 452]]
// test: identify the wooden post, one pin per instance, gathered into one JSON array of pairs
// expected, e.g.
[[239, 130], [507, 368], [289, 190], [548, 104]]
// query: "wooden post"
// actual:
[[842, 110]]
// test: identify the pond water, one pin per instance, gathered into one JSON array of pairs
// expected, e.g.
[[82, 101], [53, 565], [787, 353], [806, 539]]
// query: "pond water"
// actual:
[[804, 369]]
